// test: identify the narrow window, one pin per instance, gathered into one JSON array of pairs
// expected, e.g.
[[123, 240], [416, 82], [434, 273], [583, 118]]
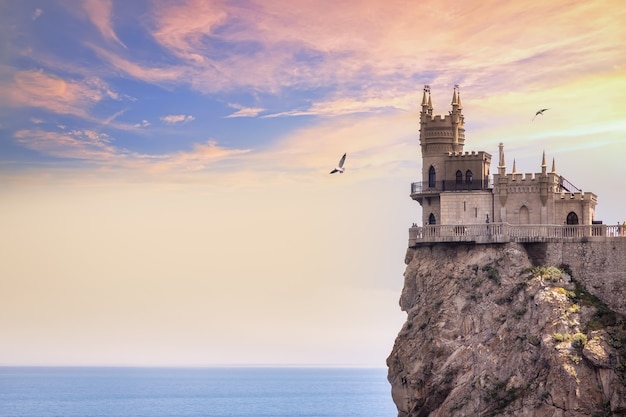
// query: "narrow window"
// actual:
[[464, 206], [431, 219], [468, 177], [459, 177], [432, 178]]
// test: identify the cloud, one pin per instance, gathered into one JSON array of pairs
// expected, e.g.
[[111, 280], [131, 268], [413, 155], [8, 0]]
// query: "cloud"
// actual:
[[37, 14], [144, 123], [75, 144], [99, 12], [42, 89], [100, 151], [276, 44], [176, 118], [244, 111]]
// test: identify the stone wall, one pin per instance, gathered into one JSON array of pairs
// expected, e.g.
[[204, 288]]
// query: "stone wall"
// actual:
[[599, 265]]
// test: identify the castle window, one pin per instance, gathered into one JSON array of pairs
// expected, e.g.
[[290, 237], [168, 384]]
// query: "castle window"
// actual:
[[459, 177], [431, 219], [468, 177], [432, 178], [572, 218]]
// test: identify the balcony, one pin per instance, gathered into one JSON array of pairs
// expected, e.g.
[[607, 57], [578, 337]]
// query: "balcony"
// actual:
[[424, 188]]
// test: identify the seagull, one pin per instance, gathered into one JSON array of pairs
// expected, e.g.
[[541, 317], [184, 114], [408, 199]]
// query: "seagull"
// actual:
[[340, 168], [539, 112]]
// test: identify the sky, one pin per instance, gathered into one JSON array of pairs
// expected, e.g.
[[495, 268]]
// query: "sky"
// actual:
[[165, 196]]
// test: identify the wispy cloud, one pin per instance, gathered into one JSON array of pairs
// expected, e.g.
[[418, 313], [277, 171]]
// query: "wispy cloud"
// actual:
[[176, 118], [99, 150], [244, 111], [99, 12], [75, 144]]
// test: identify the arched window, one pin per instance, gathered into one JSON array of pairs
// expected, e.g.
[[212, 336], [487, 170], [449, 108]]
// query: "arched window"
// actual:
[[572, 218], [459, 177], [524, 215], [432, 178], [431, 219], [468, 177]]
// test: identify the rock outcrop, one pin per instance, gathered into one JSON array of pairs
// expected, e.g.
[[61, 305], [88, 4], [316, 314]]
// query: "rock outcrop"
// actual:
[[488, 333]]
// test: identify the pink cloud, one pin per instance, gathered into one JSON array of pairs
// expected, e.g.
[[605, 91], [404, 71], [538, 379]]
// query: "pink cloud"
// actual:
[[76, 144], [99, 149], [99, 12], [302, 43], [41, 89]]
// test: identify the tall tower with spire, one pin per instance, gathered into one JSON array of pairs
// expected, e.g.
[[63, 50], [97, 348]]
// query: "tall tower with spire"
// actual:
[[449, 173]]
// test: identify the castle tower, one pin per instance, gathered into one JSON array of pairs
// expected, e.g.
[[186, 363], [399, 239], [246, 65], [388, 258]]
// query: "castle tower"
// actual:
[[448, 171]]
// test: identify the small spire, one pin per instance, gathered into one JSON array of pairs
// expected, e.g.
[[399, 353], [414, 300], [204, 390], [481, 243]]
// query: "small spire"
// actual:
[[553, 166], [514, 167], [543, 159], [455, 100], [424, 99]]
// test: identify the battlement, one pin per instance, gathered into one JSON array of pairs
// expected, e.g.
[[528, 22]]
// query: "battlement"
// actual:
[[464, 154]]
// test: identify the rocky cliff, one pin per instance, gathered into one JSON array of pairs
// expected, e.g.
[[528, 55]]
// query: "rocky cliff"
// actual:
[[489, 332]]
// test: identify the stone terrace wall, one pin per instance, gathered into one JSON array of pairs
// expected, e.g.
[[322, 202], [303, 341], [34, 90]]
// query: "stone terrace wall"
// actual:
[[599, 265]]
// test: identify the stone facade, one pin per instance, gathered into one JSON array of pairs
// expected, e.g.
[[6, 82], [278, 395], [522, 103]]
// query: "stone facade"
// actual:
[[456, 186]]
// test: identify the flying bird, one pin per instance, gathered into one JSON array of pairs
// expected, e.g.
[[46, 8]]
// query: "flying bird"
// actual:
[[340, 168], [538, 113]]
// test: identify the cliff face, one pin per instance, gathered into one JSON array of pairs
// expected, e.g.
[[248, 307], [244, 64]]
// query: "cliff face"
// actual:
[[489, 334]]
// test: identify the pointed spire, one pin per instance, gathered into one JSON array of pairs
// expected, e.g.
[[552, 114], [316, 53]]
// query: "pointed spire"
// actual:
[[430, 104], [501, 164], [553, 166], [454, 97], [424, 99], [458, 98], [514, 167], [543, 163]]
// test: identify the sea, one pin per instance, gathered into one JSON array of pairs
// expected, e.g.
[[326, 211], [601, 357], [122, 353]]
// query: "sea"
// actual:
[[194, 392]]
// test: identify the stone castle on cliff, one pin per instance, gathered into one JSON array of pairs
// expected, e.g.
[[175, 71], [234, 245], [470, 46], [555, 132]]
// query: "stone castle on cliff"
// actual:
[[459, 195]]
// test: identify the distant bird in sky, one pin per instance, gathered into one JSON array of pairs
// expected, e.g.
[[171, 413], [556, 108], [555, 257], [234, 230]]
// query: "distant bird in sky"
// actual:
[[539, 112], [339, 168]]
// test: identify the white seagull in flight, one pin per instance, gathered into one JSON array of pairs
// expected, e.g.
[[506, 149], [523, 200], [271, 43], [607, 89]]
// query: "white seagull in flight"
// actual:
[[538, 113], [340, 168]]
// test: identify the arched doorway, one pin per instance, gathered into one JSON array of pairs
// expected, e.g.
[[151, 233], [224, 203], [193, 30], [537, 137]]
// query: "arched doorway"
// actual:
[[524, 215], [431, 219], [572, 218]]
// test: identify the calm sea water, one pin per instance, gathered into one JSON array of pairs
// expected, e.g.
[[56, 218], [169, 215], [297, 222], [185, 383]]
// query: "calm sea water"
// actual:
[[187, 392]]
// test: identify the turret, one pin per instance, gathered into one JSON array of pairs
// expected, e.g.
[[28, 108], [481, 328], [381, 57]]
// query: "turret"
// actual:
[[457, 116]]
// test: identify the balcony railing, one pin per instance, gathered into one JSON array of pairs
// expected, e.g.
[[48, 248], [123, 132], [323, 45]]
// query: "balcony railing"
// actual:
[[505, 232], [450, 185]]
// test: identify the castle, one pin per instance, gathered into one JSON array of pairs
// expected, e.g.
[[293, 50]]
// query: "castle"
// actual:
[[457, 187]]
